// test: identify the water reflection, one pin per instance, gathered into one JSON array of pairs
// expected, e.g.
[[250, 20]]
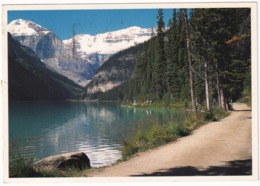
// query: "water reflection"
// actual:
[[49, 128]]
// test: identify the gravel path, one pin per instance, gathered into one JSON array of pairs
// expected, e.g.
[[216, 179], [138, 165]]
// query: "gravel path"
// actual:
[[217, 148]]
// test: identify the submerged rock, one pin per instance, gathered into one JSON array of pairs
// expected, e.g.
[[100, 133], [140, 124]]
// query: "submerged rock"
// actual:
[[77, 160]]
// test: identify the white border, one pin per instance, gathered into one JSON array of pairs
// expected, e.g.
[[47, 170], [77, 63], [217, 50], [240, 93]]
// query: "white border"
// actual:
[[104, 5]]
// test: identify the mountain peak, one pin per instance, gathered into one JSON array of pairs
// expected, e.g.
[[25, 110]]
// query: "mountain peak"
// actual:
[[22, 27], [136, 28], [109, 42], [21, 21]]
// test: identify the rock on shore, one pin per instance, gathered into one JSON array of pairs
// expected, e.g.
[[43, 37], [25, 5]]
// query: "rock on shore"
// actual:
[[77, 160]]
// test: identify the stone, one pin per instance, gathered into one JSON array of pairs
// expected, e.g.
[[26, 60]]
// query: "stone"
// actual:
[[77, 160]]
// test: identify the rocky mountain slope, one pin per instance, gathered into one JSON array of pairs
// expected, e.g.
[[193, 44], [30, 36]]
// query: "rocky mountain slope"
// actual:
[[97, 49], [30, 79], [51, 50], [118, 69], [77, 58]]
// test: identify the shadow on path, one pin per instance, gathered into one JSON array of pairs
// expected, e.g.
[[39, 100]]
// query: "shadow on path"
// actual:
[[232, 168], [249, 110]]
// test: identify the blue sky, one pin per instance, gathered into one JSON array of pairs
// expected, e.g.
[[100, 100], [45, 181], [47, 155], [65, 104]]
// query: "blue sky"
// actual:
[[90, 21]]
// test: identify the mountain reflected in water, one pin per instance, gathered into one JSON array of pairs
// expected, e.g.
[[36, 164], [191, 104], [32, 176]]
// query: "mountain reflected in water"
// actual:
[[43, 129]]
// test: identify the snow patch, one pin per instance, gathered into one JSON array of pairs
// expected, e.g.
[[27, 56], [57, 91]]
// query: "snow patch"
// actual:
[[103, 87], [21, 27], [110, 42]]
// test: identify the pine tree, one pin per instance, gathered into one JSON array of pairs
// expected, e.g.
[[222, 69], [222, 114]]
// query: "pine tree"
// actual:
[[160, 66], [169, 61], [150, 67], [191, 77], [172, 59], [212, 29], [209, 54], [183, 71], [202, 49]]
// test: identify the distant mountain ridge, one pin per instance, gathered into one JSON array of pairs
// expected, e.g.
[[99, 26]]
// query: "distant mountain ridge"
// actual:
[[101, 46], [51, 50], [21, 27], [31, 80], [77, 58], [114, 72]]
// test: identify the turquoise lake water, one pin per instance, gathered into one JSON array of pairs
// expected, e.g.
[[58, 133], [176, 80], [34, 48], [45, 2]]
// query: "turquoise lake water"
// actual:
[[42, 129]]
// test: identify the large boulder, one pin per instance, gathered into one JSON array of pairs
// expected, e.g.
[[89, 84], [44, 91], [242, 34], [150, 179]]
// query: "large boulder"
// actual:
[[77, 160]]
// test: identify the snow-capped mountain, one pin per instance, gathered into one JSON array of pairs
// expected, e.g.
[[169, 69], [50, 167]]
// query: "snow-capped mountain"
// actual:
[[77, 58], [31, 80], [99, 48], [51, 50], [37, 38], [21, 27]]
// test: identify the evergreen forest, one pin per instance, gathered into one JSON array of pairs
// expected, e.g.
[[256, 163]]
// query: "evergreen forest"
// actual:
[[201, 57]]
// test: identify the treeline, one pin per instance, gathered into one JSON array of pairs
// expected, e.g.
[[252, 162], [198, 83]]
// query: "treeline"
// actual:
[[203, 57]]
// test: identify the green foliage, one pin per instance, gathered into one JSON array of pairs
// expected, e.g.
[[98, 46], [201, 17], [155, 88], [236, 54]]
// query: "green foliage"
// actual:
[[212, 28], [69, 172], [192, 122], [214, 114], [161, 72], [143, 140], [246, 94], [154, 137], [218, 113], [114, 61], [22, 167], [124, 67], [160, 58], [209, 116]]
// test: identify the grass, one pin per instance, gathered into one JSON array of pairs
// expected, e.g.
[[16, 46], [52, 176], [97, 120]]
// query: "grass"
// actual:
[[143, 139], [158, 104], [22, 167], [246, 99], [154, 137], [161, 134], [70, 172]]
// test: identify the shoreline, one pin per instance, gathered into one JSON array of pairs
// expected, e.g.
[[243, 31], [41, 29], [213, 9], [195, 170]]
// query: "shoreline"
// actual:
[[138, 164], [98, 171]]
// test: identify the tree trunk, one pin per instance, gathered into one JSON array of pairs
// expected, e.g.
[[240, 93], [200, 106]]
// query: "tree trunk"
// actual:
[[206, 83], [218, 86], [191, 79], [222, 97]]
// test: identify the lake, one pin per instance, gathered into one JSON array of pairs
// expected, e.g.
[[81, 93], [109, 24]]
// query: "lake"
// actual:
[[42, 129]]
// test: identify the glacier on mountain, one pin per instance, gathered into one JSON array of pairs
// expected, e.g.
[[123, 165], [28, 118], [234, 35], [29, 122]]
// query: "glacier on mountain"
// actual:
[[21, 27], [79, 57], [51, 50], [97, 49]]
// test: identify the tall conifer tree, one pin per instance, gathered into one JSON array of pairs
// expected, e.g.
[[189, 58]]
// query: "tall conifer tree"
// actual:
[[160, 64], [172, 58], [191, 77]]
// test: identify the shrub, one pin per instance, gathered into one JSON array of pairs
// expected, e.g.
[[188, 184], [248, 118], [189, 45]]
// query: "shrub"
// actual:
[[209, 116], [181, 130], [153, 137], [22, 167], [68, 172], [218, 113], [191, 122]]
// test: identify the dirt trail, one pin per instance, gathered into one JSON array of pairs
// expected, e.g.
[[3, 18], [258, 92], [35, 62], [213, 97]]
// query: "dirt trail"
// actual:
[[218, 148]]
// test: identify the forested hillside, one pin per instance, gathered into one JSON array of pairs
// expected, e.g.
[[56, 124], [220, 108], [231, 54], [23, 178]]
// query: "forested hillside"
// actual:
[[31, 80], [203, 58], [116, 70]]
